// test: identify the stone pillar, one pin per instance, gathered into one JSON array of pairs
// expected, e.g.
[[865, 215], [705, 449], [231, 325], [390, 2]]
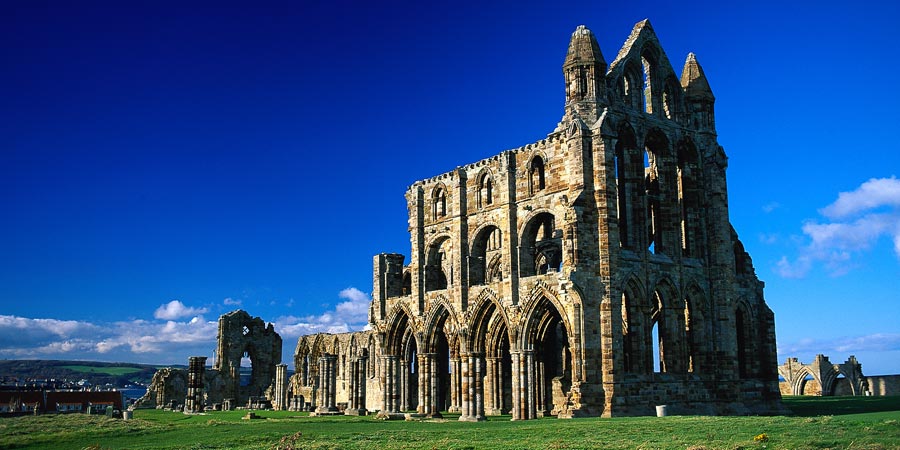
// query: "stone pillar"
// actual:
[[193, 402], [421, 381], [523, 407], [429, 385], [391, 393], [493, 386], [530, 384], [327, 385], [455, 384], [357, 405], [281, 387], [404, 385], [472, 387], [539, 389]]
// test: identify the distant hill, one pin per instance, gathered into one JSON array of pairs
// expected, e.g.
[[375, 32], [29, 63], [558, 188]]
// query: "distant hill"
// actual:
[[95, 373]]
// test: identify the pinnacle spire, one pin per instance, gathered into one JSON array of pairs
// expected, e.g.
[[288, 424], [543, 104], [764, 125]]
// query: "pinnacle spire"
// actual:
[[693, 80], [583, 49]]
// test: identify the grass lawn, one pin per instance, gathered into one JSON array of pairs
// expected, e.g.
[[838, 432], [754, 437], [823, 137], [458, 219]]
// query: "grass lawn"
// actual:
[[818, 423], [115, 371]]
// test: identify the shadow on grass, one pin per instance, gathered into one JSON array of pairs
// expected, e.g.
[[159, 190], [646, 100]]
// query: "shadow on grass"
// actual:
[[807, 406]]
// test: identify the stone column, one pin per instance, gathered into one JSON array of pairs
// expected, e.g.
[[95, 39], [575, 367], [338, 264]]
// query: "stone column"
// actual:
[[455, 384], [357, 405], [539, 389], [390, 381], [327, 385], [281, 387], [472, 387], [523, 407], [404, 385], [530, 384], [429, 386], [491, 403], [421, 381], [193, 402]]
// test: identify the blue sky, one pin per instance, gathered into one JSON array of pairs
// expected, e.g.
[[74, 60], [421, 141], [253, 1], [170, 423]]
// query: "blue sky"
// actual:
[[162, 163]]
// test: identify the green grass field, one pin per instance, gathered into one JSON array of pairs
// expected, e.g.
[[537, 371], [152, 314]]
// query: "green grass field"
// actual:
[[818, 423], [115, 371]]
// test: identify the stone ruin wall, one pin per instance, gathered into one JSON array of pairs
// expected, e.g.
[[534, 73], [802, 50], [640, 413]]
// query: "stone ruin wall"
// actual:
[[239, 334], [823, 378]]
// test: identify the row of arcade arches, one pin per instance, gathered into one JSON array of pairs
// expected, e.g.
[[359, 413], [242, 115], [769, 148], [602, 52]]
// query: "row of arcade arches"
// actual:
[[484, 362]]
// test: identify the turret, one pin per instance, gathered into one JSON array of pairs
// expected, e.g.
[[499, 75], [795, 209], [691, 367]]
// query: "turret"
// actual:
[[585, 71], [698, 96]]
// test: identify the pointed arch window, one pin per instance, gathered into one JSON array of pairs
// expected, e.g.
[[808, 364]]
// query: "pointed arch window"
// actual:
[[485, 191], [629, 173], [438, 203], [689, 193], [536, 175], [648, 69]]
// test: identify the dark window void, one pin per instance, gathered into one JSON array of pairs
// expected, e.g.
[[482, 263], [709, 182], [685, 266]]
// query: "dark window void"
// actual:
[[541, 249], [485, 191], [438, 203], [537, 178]]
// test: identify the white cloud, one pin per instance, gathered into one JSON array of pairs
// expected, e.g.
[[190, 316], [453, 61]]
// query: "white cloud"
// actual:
[[349, 315], [231, 302], [872, 194], [180, 332], [176, 310], [137, 340], [858, 221]]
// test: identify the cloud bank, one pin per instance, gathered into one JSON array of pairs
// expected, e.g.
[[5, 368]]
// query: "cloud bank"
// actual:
[[176, 310], [350, 315], [175, 332], [854, 223]]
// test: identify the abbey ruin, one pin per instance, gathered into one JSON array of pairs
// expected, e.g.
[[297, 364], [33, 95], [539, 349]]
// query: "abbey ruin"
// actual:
[[592, 273]]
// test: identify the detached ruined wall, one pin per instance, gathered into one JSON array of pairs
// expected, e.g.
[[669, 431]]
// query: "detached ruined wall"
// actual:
[[239, 336]]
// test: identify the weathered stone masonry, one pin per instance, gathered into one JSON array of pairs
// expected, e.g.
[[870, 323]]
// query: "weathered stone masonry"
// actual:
[[594, 272]]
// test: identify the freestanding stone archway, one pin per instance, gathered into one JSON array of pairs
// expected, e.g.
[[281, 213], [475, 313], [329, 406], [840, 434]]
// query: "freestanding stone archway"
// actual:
[[797, 375], [241, 335]]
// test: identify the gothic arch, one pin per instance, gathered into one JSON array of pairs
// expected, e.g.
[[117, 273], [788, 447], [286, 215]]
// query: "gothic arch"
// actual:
[[438, 200], [440, 316], [485, 189], [547, 337], [487, 246], [656, 150], [537, 167], [631, 86], [540, 249], [650, 69], [629, 175], [690, 191], [486, 307], [400, 323], [438, 268], [636, 325], [744, 326], [696, 326]]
